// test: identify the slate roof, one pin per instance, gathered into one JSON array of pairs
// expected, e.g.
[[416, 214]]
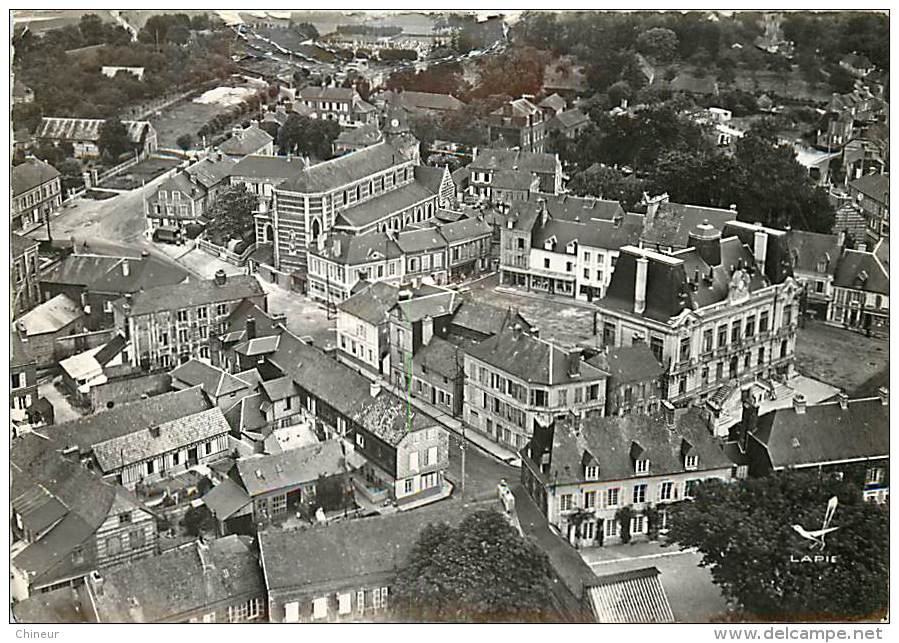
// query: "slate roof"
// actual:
[[50, 486], [875, 186], [291, 468], [85, 129], [439, 356], [122, 420], [486, 319], [862, 271], [421, 100], [609, 441], [346, 390], [808, 249], [58, 606], [371, 304], [596, 233], [188, 579], [513, 180], [424, 240], [258, 345], [154, 441], [246, 414], [850, 219], [625, 364], [569, 119], [634, 596], [49, 317], [385, 204], [315, 92], [553, 102], [214, 381], [105, 274], [257, 166], [361, 136], [279, 388], [30, 174], [355, 166], [20, 245], [180, 182], [226, 498], [673, 222], [825, 433], [466, 229], [531, 359], [500, 159], [197, 292], [246, 141], [430, 177], [345, 551], [209, 172], [357, 249], [433, 304], [568, 208]]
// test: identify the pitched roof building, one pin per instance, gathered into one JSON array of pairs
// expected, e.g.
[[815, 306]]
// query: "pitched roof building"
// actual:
[[634, 596], [84, 134]]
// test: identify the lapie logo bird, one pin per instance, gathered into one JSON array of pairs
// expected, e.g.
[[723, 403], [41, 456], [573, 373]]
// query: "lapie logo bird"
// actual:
[[817, 536]]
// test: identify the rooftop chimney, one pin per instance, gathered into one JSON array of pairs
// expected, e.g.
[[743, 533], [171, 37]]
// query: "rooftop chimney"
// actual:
[[404, 295], [761, 249], [884, 394], [374, 389], [707, 241], [640, 285], [574, 363], [799, 403], [126, 269], [220, 277], [749, 421], [843, 399], [668, 412], [427, 330], [251, 328], [535, 331]]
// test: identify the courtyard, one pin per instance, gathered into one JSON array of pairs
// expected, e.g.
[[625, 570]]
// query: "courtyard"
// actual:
[[846, 359]]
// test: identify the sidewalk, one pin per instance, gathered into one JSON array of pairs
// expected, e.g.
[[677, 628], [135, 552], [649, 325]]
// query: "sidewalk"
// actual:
[[533, 294]]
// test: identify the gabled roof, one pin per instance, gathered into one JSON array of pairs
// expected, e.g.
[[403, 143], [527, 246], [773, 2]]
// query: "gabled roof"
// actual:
[[421, 100], [808, 249], [439, 356], [524, 214], [825, 433], [279, 388], [569, 119], [385, 204], [553, 102], [226, 498], [430, 177], [153, 441], [209, 172], [122, 420], [58, 606], [214, 381], [412, 241], [500, 159], [596, 233], [30, 174], [634, 596], [347, 551], [433, 304], [862, 271], [182, 581], [635, 363], [466, 229], [257, 166], [372, 303], [672, 223], [291, 468], [520, 180], [20, 245], [850, 219], [532, 359], [85, 129], [105, 274], [610, 440], [199, 292], [486, 319], [49, 317], [346, 169], [358, 249], [246, 141], [875, 186], [315, 92]]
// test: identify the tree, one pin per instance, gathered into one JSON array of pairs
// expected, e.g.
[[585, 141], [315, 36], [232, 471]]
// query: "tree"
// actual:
[[623, 516], [744, 533], [185, 141], [480, 571], [333, 493], [113, 141], [841, 81], [658, 43], [308, 136], [197, 520], [232, 215]]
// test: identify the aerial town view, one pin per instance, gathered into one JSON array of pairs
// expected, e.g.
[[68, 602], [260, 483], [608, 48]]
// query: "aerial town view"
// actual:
[[323, 316]]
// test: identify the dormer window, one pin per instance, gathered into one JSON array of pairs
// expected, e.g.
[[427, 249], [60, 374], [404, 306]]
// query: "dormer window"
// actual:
[[641, 467], [549, 244], [571, 248], [591, 473], [691, 462]]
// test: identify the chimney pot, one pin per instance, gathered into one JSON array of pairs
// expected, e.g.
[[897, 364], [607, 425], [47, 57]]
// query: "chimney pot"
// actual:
[[668, 412], [640, 285], [220, 277], [251, 328], [799, 403], [884, 394], [374, 389], [843, 400]]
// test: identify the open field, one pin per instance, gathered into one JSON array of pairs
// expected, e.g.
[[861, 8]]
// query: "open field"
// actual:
[[185, 117], [842, 358], [135, 176]]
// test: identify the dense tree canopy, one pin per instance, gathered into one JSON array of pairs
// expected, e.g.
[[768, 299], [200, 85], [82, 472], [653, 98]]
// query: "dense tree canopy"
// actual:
[[745, 535], [113, 140], [308, 136], [232, 215], [658, 43], [481, 571]]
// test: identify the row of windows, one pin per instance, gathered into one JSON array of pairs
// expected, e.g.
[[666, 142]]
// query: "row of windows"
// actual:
[[668, 491]]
